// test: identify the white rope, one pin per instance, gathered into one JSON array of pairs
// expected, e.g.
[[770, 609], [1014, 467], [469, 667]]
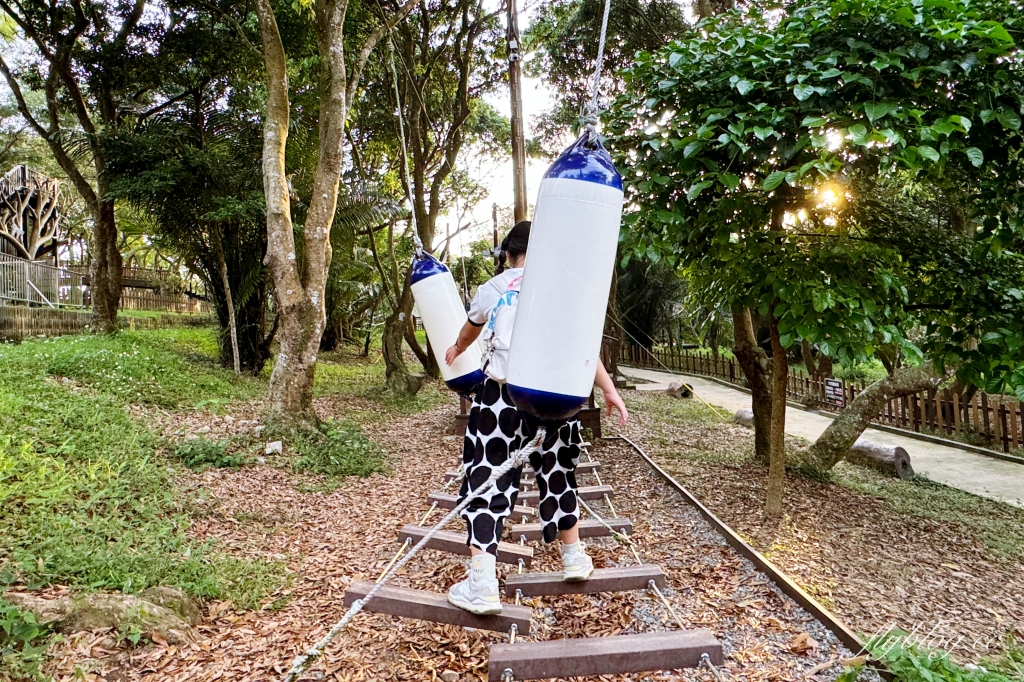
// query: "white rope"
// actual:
[[405, 154], [592, 109], [303, 661]]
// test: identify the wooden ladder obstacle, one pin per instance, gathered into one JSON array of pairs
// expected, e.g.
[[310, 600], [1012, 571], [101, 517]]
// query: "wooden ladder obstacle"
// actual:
[[581, 468], [589, 528], [448, 501], [557, 658], [591, 492], [455, 543], [601, 580], [603, 655], [422, 605]]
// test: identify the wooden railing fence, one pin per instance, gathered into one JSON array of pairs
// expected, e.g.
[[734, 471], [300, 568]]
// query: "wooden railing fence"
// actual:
[[995, 420]]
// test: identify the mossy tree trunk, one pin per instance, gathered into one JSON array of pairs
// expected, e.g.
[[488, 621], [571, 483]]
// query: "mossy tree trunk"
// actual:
[[777, 452], [754, 363]]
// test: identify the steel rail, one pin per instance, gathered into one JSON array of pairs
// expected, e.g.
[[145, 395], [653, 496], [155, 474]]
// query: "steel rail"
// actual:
[[844, 634]]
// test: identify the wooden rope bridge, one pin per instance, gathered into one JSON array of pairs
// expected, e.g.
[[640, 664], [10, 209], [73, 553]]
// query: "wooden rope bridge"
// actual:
[[520, 660]]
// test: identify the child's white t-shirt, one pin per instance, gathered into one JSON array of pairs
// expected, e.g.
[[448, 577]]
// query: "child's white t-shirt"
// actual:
[[487, 295]]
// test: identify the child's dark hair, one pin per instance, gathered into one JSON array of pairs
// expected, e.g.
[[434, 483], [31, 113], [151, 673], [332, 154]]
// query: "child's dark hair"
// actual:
[[514, 243]]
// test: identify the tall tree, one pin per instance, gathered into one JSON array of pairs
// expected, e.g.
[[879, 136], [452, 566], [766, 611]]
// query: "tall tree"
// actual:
[[300, 284], [447, 59], [93, 60], [742, 147]]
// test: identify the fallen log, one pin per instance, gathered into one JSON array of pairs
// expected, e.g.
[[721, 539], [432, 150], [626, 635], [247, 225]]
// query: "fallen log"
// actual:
[[892, 460]]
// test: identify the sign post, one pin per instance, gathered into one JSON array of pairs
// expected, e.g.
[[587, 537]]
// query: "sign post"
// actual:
[[835, 393]]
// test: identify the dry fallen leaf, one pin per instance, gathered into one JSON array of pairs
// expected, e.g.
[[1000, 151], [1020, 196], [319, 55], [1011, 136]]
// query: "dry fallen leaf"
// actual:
[[803, 643]]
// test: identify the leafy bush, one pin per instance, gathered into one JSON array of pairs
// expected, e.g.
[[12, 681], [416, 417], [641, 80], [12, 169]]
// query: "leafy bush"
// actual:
[[200, 454], [912, 663], [22, 644], [336, 449]]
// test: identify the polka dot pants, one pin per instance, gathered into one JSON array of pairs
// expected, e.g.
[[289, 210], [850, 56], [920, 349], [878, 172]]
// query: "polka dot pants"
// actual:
[[497, 430]]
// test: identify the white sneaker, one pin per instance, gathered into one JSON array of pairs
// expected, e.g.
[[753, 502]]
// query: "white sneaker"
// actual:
[[575, 562], [478, 593]]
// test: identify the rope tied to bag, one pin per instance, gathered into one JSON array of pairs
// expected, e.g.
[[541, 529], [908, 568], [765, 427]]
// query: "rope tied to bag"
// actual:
[[591, 120], [404, 169]]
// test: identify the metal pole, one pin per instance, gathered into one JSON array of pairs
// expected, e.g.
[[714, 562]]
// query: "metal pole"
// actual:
[[515, 87]]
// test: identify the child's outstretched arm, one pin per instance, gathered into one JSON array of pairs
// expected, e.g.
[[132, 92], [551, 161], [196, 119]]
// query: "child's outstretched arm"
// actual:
[[611, 395], [467, 335]]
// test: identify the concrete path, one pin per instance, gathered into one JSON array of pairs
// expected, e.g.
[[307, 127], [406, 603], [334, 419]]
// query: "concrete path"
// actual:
[[968, 471]]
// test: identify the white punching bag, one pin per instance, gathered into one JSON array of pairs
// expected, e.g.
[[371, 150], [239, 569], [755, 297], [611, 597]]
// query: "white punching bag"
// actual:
[[443, 316], [556, 340]]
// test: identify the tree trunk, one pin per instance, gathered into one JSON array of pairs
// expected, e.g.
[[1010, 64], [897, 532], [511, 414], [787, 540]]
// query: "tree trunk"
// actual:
[[832, 445], [398, 379], [301, 292], [228, 298], [777, 456], [426, 358], [754, 363], [612, 343], [105, 270]]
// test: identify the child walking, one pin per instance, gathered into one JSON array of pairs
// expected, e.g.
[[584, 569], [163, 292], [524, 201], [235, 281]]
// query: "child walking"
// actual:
[[496, 431]]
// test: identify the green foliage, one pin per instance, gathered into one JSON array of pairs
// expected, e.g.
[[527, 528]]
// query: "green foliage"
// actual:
[[747, 149], [335, 450], [86, 499], [910, 662], [170, 368], [23, 644], [200, 454]]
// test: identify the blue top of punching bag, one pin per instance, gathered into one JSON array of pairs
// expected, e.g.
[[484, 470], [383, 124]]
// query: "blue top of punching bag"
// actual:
[[426, 266], [586, 159]]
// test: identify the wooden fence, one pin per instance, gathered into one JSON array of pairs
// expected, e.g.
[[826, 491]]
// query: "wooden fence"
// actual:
[[993, 420], [21, 322], [144, 299]]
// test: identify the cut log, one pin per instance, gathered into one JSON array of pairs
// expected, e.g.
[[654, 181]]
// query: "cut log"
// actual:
[[603, 655], [744, 418], [589, 528], [593, 492], [422, 605], [601, 580], [455, 543], [891, 460]]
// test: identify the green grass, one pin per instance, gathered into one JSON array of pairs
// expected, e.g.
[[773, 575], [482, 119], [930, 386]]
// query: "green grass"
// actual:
[[911, 662], [1000, 526], [87, 499], [22, 644]]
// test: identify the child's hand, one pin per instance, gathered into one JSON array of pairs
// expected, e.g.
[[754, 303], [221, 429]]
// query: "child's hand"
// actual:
[[613, 399], [451, 354]]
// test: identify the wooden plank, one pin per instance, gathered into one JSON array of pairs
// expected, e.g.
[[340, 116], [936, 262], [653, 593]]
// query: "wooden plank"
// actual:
[[593, 492], [422, 605], [449, 501], [589, 528], [956, 412], [601, 580], [603, 655], [581, 468], [455, 543], [1015, 440]]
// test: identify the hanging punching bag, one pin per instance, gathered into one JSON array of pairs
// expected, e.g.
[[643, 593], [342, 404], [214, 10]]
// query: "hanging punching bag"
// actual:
[[556, 341], [443, 315]]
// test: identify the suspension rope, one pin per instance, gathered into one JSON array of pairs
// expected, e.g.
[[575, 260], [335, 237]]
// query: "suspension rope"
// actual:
[[592, 109], [668, 369], [304, 660], [405, 154]]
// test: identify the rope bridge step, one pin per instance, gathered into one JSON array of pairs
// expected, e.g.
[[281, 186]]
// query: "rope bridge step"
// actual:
[[581, 468], [589, 528], [603, 655], [455, 543], [448, 501], [422, 605], [593, 492], [601, 580]]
